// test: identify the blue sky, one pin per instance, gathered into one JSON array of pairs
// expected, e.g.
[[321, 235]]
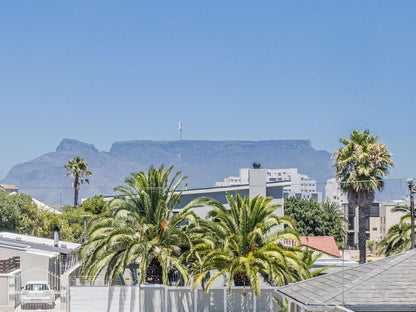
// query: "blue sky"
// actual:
[[106, 71]]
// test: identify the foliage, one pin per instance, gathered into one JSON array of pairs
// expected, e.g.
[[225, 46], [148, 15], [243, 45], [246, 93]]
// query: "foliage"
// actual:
[[362, 163], [78, 169], [242, 243], [140, 225], [11, 208], [95, 205], [18, 213], [314, 219], [370, 244], [398, 238], [360, 167], [284, 306], [41, 223]]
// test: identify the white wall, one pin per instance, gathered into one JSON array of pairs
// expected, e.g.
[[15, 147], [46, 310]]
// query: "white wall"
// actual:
[[169, 299]]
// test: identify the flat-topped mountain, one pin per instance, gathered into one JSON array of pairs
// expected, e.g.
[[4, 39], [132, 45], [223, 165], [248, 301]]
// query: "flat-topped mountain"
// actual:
[[204, 162]]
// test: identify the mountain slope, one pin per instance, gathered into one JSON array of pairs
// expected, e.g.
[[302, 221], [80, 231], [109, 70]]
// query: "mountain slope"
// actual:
[[204, 162]]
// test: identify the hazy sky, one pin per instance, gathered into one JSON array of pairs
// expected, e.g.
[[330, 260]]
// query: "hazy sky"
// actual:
[[106, 71]]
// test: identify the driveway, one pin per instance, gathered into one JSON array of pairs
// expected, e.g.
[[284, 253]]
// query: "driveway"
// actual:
[[39, 307]]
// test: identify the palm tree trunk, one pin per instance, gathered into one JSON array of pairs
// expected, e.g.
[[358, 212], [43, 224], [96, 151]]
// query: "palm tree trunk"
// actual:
[[76, 182], [75, 197], [154, 272], [241, 279], [362, 235]]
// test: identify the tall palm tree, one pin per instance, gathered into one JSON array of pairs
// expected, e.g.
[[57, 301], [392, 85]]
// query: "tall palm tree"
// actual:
[[360, 167], [141, 226], [78, 169], [239, 242]]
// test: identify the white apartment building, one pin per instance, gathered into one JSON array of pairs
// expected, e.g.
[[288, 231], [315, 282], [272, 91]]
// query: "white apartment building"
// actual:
[[301, 185], [334, 193]]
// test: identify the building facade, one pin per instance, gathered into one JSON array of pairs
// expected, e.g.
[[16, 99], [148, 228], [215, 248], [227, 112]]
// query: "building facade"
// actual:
[[379, 217], [301, 185]]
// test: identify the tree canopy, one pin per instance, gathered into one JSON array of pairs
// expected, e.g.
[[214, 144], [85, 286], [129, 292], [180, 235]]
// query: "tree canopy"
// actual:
[[315, 219], [78, 171], [19, 214], [361, 164], [243, 242], [140, 225]]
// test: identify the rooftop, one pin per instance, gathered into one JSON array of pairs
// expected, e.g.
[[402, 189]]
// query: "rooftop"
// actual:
[[31, 243], [9, 187], [324, 244], [388, 284]]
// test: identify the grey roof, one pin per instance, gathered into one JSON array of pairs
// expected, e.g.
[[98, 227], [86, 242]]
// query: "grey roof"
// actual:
[[36, 243], [387, 284]]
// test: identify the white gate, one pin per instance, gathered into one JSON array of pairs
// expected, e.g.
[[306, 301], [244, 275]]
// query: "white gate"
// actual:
[[40, 290]]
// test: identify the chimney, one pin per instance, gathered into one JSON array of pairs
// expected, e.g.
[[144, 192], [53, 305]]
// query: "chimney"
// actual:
[[56, 236]]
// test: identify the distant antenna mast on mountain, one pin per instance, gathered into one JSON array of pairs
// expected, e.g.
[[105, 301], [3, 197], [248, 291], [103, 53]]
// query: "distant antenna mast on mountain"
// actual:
[[180, 130]]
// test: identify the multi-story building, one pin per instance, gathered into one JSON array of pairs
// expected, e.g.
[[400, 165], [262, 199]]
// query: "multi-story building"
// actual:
[[301, 185], [379, 216], [378, 220]]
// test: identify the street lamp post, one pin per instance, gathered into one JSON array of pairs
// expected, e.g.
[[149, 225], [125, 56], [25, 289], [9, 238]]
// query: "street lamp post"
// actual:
[[412, 211]]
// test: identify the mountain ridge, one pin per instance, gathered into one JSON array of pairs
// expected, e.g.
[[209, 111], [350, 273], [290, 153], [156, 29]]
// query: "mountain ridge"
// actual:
[[203, 161]]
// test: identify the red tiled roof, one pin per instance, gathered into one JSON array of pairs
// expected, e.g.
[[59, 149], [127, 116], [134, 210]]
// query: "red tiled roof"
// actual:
[[324, 244], [9, 187]]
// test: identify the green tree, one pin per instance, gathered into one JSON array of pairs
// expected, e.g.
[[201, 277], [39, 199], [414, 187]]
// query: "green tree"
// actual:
[[18, 213], [41, 223], [335, 219], [315, 219], [78, 171], [360, 167], [11, 208], [95, 205], [75, 220], [242, 243], [141, 224]]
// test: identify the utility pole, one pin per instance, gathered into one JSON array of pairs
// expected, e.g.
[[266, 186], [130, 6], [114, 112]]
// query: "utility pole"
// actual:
[[412, 211]]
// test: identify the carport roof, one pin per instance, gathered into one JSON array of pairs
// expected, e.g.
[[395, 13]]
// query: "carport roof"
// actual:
[[31, 243]]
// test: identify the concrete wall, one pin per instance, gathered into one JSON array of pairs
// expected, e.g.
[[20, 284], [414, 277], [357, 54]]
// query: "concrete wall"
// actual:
[[4, 293], [257, 181]]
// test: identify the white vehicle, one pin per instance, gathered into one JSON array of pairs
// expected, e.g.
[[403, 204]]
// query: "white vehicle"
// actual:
[[37, 293]]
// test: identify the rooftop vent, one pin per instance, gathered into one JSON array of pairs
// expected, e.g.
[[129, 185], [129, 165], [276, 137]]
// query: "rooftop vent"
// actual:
[[256, 165]]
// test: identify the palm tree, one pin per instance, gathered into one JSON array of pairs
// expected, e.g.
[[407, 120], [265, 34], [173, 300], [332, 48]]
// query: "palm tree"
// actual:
[[239, 242], [337, 218], [360, 167], [78, 169], [141, 226], [398, 238]]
